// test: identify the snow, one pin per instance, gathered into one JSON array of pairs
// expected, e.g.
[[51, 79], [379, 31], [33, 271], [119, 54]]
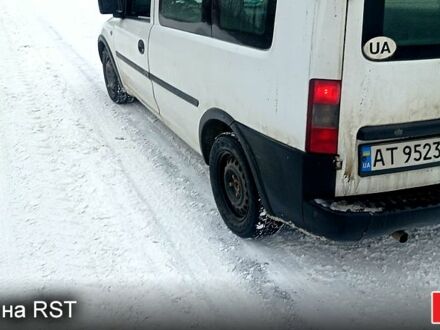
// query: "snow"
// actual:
[[103, 203], [346, 206]]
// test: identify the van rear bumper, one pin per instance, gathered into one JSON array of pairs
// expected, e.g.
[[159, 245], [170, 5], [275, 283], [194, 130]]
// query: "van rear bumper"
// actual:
[[385, 214], [291, 182]]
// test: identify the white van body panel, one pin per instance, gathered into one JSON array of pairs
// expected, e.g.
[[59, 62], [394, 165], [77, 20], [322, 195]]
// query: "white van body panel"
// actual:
[[381, 93], [127, 34], [267, 90], [107, 34], [328, 39]]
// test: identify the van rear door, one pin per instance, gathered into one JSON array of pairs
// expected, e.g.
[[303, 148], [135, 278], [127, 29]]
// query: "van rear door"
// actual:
[[390, 109]]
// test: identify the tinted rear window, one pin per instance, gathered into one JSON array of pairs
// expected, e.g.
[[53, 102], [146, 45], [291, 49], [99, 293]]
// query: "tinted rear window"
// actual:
[[138, 8], [413, 24], [189, 11], [186, 15], [246, 22], [248, 16]]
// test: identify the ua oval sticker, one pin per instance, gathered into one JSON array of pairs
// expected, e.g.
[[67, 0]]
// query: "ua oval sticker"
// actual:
[[380, 48]]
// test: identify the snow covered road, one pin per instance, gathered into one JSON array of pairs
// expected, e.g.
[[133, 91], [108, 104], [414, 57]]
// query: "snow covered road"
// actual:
[[104, 203]]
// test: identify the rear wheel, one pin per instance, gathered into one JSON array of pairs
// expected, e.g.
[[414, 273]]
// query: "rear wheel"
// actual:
[[233, 186], [114, 88]]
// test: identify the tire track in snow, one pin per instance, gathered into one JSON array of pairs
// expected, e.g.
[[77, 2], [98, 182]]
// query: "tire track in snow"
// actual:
[[186, 180], [29, 98], [258, 280], [32, 96]]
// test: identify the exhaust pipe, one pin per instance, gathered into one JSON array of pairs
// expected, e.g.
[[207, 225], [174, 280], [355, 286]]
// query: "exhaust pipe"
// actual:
[[401, 236]]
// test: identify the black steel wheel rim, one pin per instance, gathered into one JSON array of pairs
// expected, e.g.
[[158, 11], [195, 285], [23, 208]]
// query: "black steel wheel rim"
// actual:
[[111, 79], [235, 189]]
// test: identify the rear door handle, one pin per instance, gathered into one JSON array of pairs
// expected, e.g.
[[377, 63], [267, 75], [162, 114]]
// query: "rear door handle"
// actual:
[[141, 46]]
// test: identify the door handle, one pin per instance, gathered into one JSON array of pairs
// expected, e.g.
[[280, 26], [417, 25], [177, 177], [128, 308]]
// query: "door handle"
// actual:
[[141, 46]]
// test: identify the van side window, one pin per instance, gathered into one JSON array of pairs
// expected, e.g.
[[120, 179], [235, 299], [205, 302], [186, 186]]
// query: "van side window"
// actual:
[[138, 8], [187, 15], [247, 22]]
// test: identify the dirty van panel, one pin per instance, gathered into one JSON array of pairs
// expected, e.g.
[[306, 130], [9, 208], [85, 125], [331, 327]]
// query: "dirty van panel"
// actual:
[[328, 39], [389, 133]]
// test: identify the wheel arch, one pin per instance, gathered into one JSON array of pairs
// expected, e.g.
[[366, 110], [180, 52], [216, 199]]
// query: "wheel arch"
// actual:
[[103, 45], [213, 123], [217, 121]]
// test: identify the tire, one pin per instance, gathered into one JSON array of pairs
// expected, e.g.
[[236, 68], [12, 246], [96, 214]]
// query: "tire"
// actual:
[[114, 88], [233, 186]]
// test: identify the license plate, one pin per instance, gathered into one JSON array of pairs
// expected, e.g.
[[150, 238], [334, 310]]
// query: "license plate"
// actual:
[[399, 156]]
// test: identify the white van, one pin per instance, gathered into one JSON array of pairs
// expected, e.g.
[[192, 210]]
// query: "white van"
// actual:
[[324, 113]]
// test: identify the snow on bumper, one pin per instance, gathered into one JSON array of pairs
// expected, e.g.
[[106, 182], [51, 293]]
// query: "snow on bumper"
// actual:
[[352, 219]]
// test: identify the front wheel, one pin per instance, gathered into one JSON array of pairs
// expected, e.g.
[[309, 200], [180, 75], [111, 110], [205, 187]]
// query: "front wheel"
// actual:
[[233, 186], [114, 88]]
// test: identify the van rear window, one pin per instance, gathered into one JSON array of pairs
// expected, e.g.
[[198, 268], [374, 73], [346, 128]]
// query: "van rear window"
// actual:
[[413, 25], [186, 15], [245, 22], [182, 11], [248, 16]]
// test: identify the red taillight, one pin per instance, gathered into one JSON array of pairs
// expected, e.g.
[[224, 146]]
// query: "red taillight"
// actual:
[[323, 117], [326, 92]]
